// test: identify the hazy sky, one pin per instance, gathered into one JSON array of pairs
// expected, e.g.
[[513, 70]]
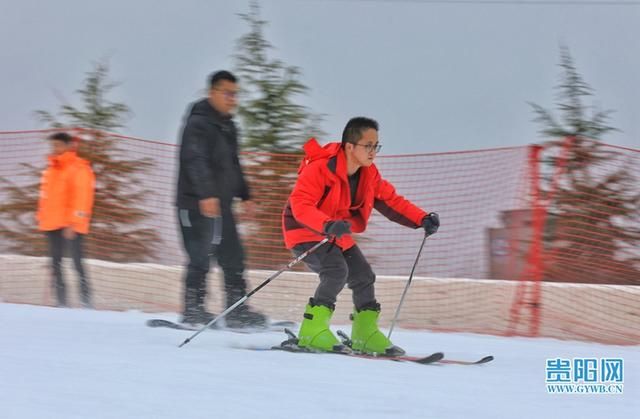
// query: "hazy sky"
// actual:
[[437, 76]]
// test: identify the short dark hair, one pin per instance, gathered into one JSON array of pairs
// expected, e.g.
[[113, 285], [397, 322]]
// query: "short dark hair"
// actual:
[[355, 127], [218, 76], [61, 136]]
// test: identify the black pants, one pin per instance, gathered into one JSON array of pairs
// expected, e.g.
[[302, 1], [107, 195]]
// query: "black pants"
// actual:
[[56, 249], [337, 268], [206, 239]]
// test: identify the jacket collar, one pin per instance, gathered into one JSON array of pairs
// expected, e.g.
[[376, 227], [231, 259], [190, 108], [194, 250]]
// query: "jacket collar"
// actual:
[[63, 160], [333, 153], [204, 108]]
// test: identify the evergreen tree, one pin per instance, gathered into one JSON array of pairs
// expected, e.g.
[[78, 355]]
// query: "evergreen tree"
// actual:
[[271, 119], [595, 210], [115, 232], [272, 122]]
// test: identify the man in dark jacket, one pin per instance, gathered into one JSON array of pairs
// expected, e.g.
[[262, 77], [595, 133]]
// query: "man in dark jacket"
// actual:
[[210, 177]]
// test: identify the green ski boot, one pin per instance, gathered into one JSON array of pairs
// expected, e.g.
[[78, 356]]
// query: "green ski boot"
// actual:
[[365, 335], [314, 331]]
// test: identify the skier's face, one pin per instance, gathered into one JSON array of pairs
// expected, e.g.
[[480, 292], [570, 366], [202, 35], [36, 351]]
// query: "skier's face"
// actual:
[[224, 96], [365, 150]]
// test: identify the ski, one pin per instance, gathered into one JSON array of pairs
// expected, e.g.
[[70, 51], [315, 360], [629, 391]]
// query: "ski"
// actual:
[[276, 326], [436, 358], [291, 345], [429, 359], [442, 360], [173, 325]]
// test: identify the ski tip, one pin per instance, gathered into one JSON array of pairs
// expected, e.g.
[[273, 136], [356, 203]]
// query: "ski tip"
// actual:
[[484, 360]]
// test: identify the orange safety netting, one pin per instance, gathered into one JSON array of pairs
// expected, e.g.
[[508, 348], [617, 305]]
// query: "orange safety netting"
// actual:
[[508, 258]]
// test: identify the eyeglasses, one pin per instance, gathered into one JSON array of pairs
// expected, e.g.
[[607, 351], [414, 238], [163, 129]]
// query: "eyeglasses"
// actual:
[[229, 94], [370, 147]]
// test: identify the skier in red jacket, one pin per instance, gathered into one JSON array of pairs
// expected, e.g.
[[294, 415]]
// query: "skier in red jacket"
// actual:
[[337, 188]]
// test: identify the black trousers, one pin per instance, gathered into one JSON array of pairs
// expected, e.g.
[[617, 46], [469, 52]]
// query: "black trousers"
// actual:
[[206, 239], [56, 250], [337, 268]]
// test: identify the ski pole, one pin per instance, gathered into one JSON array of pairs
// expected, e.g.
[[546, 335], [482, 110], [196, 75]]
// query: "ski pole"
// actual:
[[258, 288], [406, 288]]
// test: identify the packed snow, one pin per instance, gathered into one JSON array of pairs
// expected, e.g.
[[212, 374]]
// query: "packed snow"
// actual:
[[74, 363]]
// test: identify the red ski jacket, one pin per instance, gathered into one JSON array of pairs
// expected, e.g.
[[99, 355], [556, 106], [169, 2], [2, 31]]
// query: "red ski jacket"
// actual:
[[322, 193]]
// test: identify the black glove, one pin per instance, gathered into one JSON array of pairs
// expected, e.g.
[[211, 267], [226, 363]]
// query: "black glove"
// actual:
[[430, 223], [337, 228]]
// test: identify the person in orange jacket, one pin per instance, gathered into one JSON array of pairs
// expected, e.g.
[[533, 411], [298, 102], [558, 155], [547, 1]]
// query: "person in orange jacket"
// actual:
[[337, 188], [64, 210]]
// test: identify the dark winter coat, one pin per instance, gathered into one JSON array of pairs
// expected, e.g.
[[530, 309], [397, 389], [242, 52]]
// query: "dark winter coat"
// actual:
[[209, 164]]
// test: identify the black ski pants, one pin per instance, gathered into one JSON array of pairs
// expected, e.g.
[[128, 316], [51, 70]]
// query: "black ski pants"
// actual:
[[206, 239], [56, 243]]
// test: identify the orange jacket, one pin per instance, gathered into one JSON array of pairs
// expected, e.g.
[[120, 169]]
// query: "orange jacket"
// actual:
[[322, 193], [66, 194]]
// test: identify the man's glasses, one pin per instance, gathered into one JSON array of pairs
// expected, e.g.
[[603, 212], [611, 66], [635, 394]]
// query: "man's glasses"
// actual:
[[229, 94], [371, 147]]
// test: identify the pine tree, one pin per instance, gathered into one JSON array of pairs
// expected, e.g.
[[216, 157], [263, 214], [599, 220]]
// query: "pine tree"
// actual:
[[115, 232], [271, 120], [595, 209], [274, 124]]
